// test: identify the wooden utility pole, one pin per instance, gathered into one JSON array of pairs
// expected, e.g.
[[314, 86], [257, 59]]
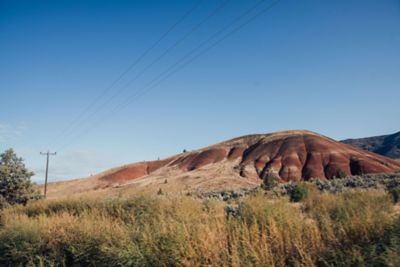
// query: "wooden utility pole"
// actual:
[[47, 154]]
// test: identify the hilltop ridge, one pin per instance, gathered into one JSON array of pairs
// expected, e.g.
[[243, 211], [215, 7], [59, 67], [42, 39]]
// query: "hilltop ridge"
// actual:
[[293, 155]]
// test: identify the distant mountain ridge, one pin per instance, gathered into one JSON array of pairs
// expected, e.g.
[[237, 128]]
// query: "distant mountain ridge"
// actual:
[[386, 145]]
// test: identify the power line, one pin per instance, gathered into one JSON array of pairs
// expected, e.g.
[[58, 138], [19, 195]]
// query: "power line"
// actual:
[[163, 54], [178, 66], [170, 71], [78, 118]]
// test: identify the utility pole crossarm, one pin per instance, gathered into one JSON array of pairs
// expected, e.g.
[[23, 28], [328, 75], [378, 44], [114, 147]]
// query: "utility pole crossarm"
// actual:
[[47, 154], [51, 154]]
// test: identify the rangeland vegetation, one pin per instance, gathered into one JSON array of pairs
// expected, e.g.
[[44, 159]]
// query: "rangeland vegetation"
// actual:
[[350, 228]]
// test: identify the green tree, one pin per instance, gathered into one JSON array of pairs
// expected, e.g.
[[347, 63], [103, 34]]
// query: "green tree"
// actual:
[[15, 179]]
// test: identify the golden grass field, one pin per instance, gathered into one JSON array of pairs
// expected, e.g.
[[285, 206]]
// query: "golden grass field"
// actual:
[[356, 228]]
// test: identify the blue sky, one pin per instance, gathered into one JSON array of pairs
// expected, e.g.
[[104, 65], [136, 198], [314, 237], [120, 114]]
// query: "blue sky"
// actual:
[[328, 66]]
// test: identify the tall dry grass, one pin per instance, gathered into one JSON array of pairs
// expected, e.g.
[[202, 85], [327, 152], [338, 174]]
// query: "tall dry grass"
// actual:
[[350, 229]]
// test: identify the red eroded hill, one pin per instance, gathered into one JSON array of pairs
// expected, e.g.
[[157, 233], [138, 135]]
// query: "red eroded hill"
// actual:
[[133, 171], [292, 155]]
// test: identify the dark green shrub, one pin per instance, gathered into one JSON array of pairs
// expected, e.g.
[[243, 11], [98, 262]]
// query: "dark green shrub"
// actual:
[[299, 192], [395, 193], [270, 181], [340, 174]]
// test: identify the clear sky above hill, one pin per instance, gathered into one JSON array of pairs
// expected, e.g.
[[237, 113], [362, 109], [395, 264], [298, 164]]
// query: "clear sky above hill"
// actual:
[[328, 66]]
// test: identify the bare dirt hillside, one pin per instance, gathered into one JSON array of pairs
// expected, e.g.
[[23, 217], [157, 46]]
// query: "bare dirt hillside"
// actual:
[[241, 162]]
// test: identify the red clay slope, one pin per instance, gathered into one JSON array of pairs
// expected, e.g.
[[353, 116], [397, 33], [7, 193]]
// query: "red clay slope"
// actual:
[[134, 171], [293, 155]]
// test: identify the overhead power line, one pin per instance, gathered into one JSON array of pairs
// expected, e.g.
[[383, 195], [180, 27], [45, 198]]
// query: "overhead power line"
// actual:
[[103, 93], [187, 59], [155, 61]]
